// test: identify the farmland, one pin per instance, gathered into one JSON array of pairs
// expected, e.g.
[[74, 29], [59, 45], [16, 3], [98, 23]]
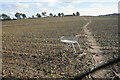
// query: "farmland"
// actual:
[[105, 31], [32, 47]]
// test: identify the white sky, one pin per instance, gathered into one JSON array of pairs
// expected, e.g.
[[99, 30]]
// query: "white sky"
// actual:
[[85, 7]]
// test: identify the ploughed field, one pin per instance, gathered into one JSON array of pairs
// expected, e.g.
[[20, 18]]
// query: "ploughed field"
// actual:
[[105, 31], [32, 47]]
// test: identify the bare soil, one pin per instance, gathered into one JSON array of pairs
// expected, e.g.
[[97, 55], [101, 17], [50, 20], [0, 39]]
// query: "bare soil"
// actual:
[[32, 47]]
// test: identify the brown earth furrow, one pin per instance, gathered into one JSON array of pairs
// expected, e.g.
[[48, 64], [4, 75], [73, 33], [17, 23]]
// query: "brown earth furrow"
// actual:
[[98, 58]]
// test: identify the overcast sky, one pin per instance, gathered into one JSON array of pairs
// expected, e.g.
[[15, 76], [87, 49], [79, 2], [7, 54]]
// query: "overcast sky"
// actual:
[[85, 7]]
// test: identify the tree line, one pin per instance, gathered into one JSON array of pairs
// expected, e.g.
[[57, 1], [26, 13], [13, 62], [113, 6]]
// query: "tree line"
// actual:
[[38, 15]]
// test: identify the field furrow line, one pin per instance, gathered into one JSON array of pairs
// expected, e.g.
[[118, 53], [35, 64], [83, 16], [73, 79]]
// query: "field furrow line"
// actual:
[[95, 51]]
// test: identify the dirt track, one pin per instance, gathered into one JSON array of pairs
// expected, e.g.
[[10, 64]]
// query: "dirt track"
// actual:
[[95, 51], [98, 57]]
